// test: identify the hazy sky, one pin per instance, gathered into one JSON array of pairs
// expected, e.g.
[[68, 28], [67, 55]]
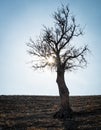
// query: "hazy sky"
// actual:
[[22, 19]]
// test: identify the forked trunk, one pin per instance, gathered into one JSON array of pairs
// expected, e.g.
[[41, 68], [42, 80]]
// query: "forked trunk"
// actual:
[[65, 110]]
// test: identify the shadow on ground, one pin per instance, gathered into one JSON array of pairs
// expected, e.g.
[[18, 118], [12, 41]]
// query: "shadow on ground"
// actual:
[[82, 120]]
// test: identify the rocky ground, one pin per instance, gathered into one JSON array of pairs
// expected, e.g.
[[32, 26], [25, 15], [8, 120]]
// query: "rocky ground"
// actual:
[[36, 113]]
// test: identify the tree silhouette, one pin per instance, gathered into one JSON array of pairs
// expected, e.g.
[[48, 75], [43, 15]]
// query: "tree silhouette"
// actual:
[[54, 49]]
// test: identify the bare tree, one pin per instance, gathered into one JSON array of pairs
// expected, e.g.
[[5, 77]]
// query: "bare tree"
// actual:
[[55, 50]]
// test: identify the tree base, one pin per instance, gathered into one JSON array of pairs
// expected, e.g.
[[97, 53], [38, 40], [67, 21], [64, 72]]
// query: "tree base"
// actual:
[[63, 114]]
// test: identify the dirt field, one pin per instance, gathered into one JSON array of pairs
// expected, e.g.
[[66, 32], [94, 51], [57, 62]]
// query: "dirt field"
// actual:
[[36, 113]]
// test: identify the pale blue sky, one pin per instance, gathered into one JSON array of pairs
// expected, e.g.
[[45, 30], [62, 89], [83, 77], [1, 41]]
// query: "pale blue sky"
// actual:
[[22, 19]]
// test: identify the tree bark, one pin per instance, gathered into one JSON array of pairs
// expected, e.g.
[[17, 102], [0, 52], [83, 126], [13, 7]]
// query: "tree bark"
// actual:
[[65, 110]]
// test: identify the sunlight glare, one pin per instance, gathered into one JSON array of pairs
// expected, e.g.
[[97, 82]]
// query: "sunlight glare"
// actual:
[[50, 60]]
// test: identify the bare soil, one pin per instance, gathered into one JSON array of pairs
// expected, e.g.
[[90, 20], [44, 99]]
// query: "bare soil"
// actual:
[[36, 113]]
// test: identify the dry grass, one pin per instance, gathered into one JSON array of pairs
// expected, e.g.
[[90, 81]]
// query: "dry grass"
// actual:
[[36, 113]]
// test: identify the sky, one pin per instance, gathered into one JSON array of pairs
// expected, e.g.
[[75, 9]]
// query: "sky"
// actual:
[[21, 20]]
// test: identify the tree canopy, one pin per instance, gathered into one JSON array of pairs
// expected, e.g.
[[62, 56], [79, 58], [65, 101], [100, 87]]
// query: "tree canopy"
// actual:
[[54, 48]]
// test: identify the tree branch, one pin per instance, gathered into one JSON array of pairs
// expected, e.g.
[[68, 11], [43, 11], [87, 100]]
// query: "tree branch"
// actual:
[[76, 55], [56, 41]]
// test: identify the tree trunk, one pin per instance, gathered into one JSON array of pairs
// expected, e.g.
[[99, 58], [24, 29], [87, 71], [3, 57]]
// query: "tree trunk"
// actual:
[[65, 110]]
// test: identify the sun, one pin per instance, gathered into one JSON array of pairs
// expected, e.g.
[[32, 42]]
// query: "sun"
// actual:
[[50, 60]]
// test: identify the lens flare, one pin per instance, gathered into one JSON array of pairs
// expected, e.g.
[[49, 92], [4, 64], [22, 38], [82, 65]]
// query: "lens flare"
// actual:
[[50, 60]]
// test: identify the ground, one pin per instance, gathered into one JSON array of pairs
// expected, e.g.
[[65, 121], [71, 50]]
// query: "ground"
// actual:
[[36, 113]]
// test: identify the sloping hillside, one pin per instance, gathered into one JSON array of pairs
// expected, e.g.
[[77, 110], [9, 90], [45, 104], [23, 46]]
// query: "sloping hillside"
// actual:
[[36, 113]]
